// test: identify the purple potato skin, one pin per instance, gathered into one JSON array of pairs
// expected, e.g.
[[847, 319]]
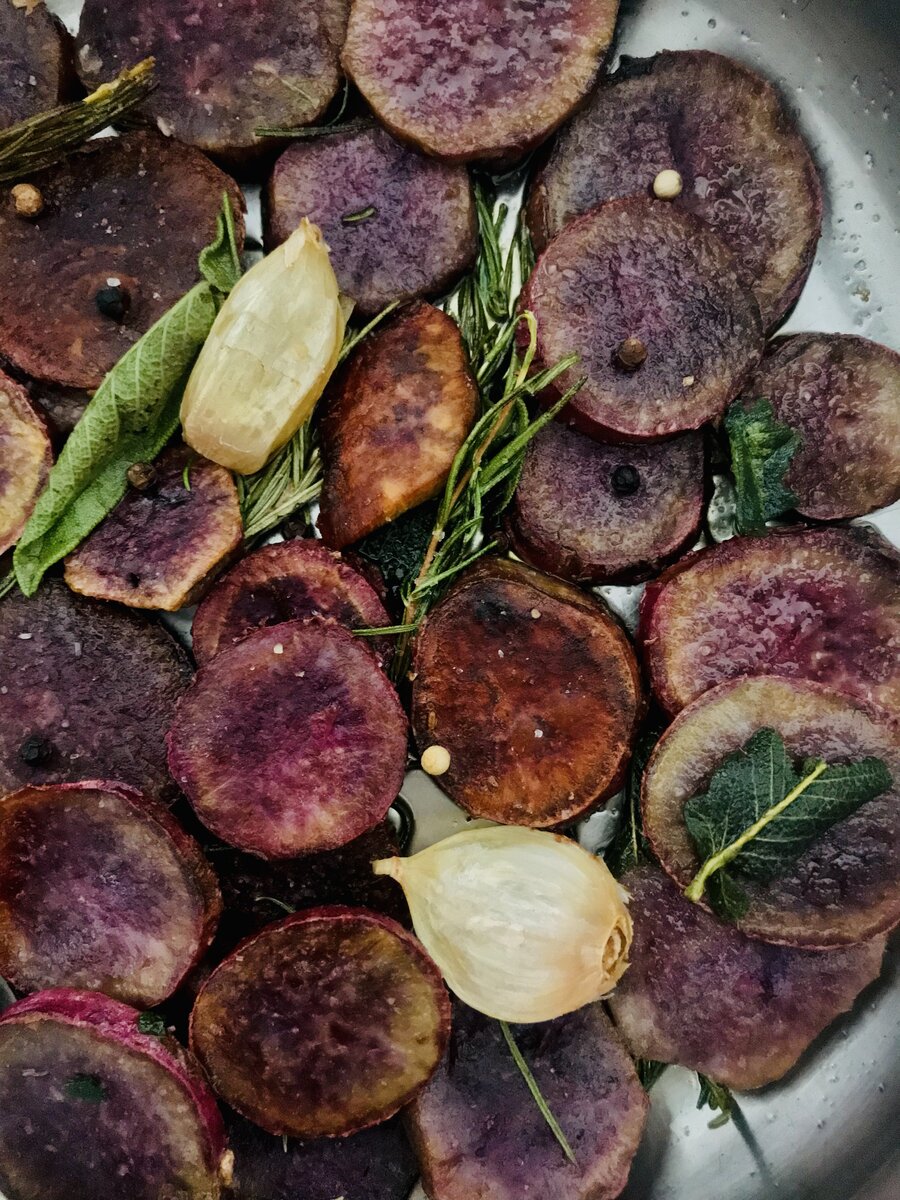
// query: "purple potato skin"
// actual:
[[257, 892], [701, 994], [137, 208], [470, 80], [323, 1024], [101, 889], [568, 518], [745, 168], [285, 582], [819, 604], [480, 1136], [222, 71], [161, 548], [375, 1164], [34, 62], [701, 326], [95, 683], [171, 1140], [419, 239], [842, 395], [63, 407], [290, 742], [845, 887]]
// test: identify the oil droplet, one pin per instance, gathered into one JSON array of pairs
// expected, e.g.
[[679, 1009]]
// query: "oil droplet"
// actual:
[[712, 22], [869, 158]]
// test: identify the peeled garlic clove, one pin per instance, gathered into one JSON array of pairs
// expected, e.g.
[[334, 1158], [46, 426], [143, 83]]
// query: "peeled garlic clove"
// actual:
[[269, 354], [524, 925]]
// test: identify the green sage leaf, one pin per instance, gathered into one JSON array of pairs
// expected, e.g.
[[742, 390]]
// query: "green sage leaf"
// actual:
[[762, 449]]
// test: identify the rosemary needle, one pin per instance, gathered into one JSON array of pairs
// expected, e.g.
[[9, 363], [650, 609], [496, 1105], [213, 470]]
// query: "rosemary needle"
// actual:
[[45, 139], [536, 1092]]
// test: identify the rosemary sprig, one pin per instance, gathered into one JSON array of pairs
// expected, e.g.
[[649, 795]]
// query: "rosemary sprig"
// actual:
[[536, 1092], [7, 583], [44, 139], [332, 125], [293, 479]]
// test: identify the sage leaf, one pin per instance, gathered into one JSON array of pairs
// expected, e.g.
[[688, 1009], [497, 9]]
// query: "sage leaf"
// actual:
[[760, 814], [131, 417], [151, 1023], [7, 995], [85, 1087], [762, 448]]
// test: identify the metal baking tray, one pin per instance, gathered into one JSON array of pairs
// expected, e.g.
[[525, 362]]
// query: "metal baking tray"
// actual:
[[829, 1130]]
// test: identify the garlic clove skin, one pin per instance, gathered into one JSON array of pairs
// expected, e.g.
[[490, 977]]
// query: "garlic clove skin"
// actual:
[[525, 925], [270, 353]]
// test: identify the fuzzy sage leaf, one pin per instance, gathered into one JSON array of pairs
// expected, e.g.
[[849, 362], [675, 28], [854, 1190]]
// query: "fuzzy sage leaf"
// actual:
[[130, 418], [759, 815], [762, 449]]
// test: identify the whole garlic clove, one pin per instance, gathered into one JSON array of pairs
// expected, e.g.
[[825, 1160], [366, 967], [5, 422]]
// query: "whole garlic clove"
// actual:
[[268, 357], [524, 925]]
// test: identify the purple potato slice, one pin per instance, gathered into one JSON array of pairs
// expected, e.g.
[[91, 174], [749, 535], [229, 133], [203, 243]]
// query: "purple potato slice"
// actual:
[[291, 741], [100, 888], [222, 72], [640, 269], [25, 460], [63, 407], [534, 690], [374, 1164], [845, 888], [285, 582], [605, 513], [137, 210], [842, 395], [701, 994], [87, 692], [34, 61], [257, 891], [480, 1136], [90, 1106], [162, 546], [471, 80], [398, 225], [819, 604], [745, 167], [323, 1024], [394, 424]]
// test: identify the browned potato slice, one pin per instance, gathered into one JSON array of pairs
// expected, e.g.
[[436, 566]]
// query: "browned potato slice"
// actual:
[[392, 428], [25, 458], [163, 544]]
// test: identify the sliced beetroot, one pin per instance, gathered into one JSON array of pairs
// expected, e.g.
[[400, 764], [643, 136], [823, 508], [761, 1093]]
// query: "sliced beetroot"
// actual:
[[137, 209], [391, 429], [91, 1106], [166, 540], [398, 225], [87, 691], [323, 1024], [701, 994], [256, 891], [819, 604], [638, 271], [476, 79], [479, 1134], [745, 168], [846, 886], [291, 741], [534, 690], [222, 71], [286, 582], [34, 61], [25, 460], [100, 888], [606, 513], [842, 395], [374, 1164]]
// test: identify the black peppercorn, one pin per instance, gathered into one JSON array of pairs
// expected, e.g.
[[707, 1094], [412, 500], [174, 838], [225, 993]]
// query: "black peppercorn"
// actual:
[[113, 302], [626, 480], [35, 750]]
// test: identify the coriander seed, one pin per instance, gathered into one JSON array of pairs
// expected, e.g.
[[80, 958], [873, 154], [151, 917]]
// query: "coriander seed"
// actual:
[[667, 185], [436, 760], [27, 200]]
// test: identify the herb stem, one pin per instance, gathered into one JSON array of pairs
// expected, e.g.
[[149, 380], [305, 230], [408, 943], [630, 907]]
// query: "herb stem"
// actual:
[[538, 1098], [45, 139], [694, 890]]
